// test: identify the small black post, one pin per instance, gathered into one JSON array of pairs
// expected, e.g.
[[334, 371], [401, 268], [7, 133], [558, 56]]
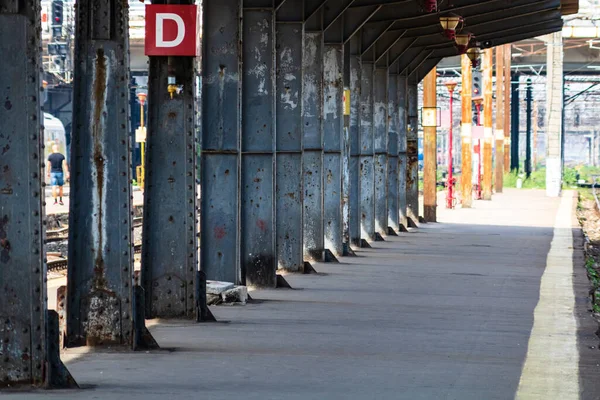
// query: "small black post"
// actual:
[[514, 123], [142, 339], [57, 375], [203, 313], [529, 100]]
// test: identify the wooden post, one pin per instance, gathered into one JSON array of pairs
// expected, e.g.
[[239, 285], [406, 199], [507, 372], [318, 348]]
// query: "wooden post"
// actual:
[[499, 119], [429, 148], [466, 183], [507, 62], [488, 133]]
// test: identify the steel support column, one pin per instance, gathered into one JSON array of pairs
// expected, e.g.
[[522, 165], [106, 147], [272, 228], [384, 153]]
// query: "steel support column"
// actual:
[[221, 136], [367, 169], [26, 342], [402, 156], [412, 155], [393, 123], [430, 150], [169, 239], [333, 125], [258, 258], [100, 273], [466, 178], [380, 147], [288, 101], [312, 112], [488, 130], [499, 119], [355, 147]]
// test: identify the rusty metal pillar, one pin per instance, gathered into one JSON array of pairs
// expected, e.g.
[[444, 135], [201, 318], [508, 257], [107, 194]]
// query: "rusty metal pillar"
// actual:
[[100, 272], [430, 149], [393, 217], [169, 238], [367, 169], [355, 147], [507, 87], [333, 125], [221, 137], [258, 258], [488, 130], [412, 155], [466, 178], [288, 99], [499, 119], [402, 159], [312, 113], [380, 144], [29, 351]]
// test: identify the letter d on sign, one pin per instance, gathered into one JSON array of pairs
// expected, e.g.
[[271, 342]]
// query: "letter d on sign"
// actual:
[[160, 30], [172, 30]]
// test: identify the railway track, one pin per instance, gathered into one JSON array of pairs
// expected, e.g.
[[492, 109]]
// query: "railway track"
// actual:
[[57, 263]]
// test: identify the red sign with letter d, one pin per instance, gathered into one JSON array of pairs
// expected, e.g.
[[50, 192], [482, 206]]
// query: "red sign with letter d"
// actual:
[[172, 30]]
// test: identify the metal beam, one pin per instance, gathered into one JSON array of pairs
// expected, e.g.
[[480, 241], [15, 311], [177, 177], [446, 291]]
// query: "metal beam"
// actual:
[[402, 155], [367, 169], [288, 100], [333, 125], [412, 154], [430, 150], [312, 111], [354, 135], [27, 344], [100, 273], [169, 238], [257, 235], [221, 130], [380, 148]]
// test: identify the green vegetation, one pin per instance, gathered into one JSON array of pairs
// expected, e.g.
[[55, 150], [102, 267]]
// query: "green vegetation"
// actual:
[[537, 180]]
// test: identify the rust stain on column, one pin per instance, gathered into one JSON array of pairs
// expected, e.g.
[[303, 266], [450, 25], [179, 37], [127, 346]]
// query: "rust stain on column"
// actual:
[[507, 61], [499, 119], [488, 133], [466, 183], [429, 150]]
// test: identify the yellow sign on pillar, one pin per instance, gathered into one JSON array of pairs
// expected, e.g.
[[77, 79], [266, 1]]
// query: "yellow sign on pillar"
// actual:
[[346, 101]]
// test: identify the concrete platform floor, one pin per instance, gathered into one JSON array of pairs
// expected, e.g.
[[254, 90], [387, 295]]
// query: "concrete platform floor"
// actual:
[[478, 306]]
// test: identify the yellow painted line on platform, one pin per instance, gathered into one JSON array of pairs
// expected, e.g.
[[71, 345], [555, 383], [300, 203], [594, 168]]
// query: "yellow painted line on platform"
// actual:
[[551, 369]]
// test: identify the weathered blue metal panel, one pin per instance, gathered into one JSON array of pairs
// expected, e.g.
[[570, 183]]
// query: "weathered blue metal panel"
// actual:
[[220, 174], [412, 155], [258, 241], [221, 136], [333, 112], [22, 268], [392, 177], [402, 161], [258, 260], [367, 168], [289, 221], [354, 125], [380, 139], [312, 110], [100, 273]]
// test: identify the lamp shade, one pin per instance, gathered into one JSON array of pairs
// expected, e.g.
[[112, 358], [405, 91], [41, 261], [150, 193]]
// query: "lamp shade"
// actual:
[[449, 22], [462, 42], [474, 55]]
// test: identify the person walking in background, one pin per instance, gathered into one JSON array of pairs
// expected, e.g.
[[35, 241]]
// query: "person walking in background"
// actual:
[[57, 170]]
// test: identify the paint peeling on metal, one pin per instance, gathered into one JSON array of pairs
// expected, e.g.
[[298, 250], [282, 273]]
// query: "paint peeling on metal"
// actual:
[[100, 73]]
